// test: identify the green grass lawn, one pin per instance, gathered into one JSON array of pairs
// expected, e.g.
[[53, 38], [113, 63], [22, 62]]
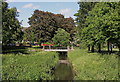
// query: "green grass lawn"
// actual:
[[94, 66], [34, 65]]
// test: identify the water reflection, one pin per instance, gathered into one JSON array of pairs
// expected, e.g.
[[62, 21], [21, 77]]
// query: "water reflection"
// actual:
[[63, 69]]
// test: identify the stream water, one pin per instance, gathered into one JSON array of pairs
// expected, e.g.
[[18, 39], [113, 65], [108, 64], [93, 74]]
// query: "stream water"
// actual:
[[63, 70]]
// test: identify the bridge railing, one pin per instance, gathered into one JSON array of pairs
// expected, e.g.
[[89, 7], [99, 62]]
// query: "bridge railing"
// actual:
[[54, 47]]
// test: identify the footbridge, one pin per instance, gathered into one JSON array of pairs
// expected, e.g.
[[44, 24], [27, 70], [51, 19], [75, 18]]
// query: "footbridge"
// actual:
[[59, 50]]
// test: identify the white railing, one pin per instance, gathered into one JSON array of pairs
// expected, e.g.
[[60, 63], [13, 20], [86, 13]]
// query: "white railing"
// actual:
[[60, 50]]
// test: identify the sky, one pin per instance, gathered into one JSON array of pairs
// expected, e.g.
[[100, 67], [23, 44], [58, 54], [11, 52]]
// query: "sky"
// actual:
[[26, 9]]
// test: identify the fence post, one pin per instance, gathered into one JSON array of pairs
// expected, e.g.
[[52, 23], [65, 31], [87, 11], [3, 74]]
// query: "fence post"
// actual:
[[49, 47], [43, 47]]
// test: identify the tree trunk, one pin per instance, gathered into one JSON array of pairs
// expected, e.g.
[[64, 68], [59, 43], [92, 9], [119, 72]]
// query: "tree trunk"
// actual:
[[92, 50], [111, 48], [68, 48], [99, 47], [72, 48], [88, 47], [49, 47], [108, 45], [119, 47], [30, 44]]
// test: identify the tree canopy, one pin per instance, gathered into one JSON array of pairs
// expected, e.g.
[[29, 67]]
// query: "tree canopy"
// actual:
[[44, 24], [102, 24], [11, 26], [98, 23]]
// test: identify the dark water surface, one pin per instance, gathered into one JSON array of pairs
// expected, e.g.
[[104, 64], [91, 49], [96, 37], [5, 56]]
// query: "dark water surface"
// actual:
[[63, 69]]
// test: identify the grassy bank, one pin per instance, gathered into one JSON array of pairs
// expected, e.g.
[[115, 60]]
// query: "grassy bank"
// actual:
[[34, 65], [94, 66]]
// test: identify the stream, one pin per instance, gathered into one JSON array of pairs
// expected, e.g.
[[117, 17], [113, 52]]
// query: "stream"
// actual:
[[63, 70]]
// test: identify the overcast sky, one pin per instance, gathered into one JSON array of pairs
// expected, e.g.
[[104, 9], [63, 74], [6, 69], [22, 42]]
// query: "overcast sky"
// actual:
[[25, 9]]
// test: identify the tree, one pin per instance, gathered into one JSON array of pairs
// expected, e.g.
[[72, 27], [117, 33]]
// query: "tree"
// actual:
[[11, 26], [29, 35], [0, 27], [44, 24], [61, 38], [84, 8]]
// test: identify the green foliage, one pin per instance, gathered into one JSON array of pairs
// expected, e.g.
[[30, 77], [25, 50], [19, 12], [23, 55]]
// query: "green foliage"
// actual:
[[61, 37], [47, 43], [102, 24], [29, 35], [94, 66], [10, 24], [44, 24], [99, 23], [35, 66], [84, 8]]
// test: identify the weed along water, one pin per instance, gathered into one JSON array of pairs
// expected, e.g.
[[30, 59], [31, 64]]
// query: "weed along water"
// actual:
[[63, 70]]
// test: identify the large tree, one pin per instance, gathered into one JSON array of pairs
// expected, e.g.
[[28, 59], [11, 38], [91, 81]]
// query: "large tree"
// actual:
[[11, 26], [44, 24], [84, 8], [103, 24]]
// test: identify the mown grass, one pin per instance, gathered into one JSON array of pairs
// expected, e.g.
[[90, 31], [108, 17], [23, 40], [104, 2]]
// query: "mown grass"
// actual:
[[35, 65], [94, 66]]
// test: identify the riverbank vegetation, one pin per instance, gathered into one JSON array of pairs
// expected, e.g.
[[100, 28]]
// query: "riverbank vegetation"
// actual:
[[35, 64], [94, 66]]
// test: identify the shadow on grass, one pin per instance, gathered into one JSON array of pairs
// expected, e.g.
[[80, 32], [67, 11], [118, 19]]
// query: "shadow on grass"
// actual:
[[104, 52], [40, 47], [14, 50]]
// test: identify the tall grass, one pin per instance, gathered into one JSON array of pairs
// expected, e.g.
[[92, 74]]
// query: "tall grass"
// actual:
[[36, 65], [94, 66]]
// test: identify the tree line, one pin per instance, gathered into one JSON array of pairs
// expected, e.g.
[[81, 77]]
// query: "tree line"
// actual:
[[98, 24], [43, 27]]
